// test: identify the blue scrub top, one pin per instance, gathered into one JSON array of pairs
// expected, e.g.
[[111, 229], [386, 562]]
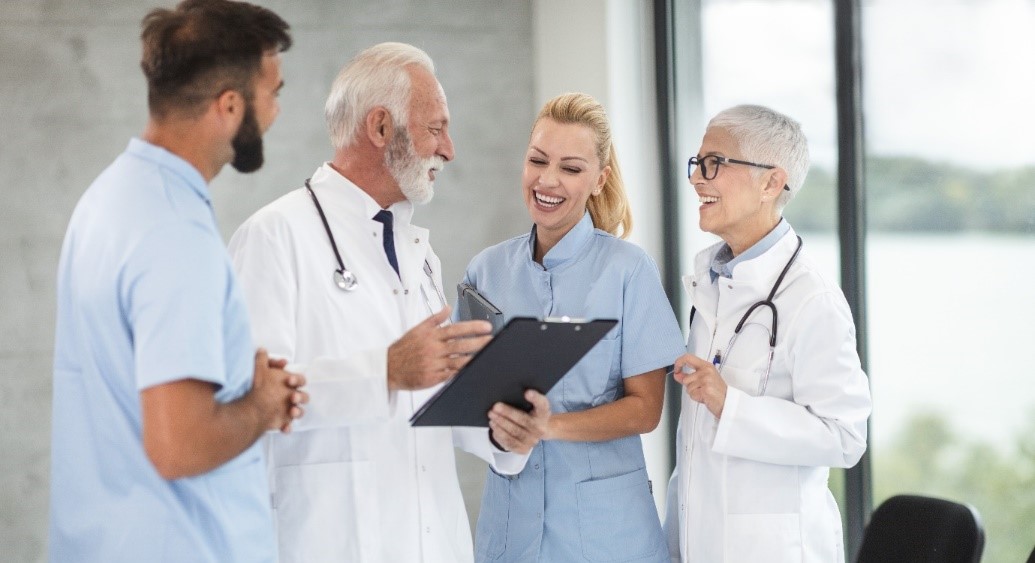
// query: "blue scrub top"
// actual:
[[146, 295], [578, 501]]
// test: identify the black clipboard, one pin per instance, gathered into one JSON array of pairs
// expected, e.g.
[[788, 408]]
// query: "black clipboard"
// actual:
[[527, 354], [472, 305]]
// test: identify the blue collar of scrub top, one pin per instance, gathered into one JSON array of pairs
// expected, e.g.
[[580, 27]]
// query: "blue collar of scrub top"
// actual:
[[568, 247], [165, 159], [724, 261]]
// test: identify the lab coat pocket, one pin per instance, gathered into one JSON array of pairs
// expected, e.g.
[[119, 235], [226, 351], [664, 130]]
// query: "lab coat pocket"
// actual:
[[746, 380], [761, 488], [316, 511], [586, 384], [490, 539], [618, 520], [774, 538], [746, 358]]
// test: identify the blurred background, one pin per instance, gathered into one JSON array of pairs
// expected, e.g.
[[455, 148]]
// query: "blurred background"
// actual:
[[948, 182]]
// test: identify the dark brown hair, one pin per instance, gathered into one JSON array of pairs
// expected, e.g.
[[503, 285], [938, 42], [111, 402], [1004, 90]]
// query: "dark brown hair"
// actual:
[[205, 47]]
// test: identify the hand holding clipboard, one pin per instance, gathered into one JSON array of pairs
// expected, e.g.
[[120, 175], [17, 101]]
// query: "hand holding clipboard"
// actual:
[[527, 354]]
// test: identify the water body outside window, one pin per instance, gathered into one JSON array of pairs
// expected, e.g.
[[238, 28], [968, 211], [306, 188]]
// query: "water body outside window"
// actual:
[[950, 187]]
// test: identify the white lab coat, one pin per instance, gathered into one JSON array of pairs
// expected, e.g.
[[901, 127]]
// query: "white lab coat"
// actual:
[[752, 486], [353, 481]]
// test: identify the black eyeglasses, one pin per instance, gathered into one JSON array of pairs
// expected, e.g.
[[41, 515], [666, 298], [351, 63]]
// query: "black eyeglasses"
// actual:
[[710, 166]]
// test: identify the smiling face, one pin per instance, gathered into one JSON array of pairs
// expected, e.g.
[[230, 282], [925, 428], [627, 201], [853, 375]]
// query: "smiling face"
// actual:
[[739, 204], [561, 173], [422, 148]]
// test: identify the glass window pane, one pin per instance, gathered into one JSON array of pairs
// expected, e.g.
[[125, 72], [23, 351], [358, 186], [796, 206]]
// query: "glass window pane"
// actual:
[[950, 180], [742, 64]]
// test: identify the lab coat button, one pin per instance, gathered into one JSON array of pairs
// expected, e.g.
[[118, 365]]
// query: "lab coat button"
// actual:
[[406, 292], [416, 241], [395, 292], [423, 468], [730, 286], [428, 529]]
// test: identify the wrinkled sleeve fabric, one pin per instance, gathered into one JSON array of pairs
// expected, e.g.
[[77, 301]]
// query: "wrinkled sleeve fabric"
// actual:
[[825, 424], [651, 337], [476, 442], [173, 290], [342, 391]]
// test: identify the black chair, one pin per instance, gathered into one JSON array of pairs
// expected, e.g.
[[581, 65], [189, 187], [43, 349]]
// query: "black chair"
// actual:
[[919, 529], [1031, 558]]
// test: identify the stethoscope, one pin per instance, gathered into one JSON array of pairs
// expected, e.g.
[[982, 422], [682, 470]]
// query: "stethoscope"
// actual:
[[343, 277], [720, 361]]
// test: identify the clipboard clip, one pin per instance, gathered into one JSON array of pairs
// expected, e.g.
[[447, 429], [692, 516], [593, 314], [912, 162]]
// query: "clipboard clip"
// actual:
[[563, 319]]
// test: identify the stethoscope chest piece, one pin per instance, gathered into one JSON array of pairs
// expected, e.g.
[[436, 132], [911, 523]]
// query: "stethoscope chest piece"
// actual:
[[345, 280]]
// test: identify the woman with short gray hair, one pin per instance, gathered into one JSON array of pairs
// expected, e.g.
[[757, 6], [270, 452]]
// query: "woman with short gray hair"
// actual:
[[774, 391]]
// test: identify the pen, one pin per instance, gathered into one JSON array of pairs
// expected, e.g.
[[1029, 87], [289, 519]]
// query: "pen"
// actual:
[[716, 361]]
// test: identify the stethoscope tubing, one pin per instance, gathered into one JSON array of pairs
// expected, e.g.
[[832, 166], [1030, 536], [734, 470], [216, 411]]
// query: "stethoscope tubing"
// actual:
[[344, 279], [767, 302]]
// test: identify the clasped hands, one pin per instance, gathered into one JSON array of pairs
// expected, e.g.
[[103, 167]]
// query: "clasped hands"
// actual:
[[282, 396]]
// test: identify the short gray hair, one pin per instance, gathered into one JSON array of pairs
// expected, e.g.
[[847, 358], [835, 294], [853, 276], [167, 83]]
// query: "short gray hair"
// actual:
[[766, 136], [377, 76]]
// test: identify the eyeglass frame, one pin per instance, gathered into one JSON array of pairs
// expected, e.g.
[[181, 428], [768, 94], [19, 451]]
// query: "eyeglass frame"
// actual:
[[698, 161]]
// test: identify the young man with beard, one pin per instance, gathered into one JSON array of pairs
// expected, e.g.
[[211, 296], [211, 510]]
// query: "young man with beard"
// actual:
[[159, 394], [355, 302]]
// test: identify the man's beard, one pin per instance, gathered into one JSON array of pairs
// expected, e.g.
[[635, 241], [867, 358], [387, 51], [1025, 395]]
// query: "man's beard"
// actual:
[[409, 170], [247, 143]]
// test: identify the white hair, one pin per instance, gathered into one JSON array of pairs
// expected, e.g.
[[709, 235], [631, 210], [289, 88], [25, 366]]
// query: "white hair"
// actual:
[[766, 136], [377, 76]]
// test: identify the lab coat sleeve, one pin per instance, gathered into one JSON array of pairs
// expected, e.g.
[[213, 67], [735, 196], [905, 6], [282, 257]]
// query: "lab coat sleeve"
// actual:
[[825, 424], [476, 441], [342, 391]]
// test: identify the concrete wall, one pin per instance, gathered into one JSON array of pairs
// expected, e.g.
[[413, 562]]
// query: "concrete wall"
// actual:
[[71, 95]]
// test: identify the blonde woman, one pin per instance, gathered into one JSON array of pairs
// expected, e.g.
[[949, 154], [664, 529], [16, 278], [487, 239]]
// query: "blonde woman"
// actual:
[[584, 494]]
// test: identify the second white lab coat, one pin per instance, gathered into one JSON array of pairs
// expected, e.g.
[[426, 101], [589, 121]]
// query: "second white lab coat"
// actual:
[[752, 485], [353, 481]]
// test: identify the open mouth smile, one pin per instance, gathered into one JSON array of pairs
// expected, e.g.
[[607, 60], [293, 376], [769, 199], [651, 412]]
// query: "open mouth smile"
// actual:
[[549, 202]]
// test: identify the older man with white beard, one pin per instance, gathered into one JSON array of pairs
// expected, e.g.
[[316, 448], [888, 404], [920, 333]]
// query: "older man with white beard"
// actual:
[[343, 286]]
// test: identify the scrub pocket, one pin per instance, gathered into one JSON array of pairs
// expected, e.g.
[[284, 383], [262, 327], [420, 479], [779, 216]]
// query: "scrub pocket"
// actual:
[[618, 520], [490, 537], [321, 514], [773, 538]]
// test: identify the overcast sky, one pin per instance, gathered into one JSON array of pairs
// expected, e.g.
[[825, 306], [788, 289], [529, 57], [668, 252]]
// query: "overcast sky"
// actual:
[[944, 80]]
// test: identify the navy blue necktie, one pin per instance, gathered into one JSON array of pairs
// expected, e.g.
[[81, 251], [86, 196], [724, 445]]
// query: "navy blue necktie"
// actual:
[[388, 238]]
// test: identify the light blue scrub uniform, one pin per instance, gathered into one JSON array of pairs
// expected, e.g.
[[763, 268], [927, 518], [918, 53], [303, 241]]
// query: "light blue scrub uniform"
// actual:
[[146, 295], [580, 501]]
